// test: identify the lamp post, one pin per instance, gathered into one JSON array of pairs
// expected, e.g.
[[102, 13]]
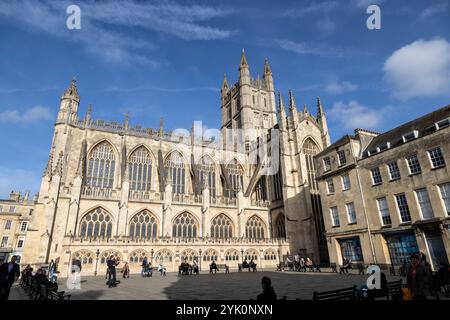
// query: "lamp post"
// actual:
[[200, 260], [151, 256], [279, 256], [97, 253], [242, 255]]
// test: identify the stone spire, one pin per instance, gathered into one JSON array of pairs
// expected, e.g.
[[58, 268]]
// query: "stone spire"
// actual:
[[49, 167], [126, 123], [267, 70], [59, 165], [305, 110], [243, 63], [319, 108], [72, 91], [88, 117], [81, 162], [161, 127], [281, 107], [225, 82], [291, 101]]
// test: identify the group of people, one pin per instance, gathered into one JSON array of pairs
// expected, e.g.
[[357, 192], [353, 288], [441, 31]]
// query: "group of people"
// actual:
[[301, 264], [251, 266], [187, 268]]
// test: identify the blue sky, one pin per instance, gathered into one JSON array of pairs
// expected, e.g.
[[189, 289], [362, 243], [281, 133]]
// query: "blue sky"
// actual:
[[167, 59]]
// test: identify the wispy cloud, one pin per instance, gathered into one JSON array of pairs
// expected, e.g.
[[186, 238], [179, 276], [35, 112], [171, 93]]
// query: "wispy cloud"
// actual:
[[351, 115], [326, 26], [313, 48], [28, 116], [43, 89], [334, 86], [102, 20], [433, 10], [364, 3], [314, 7], [419, 69]]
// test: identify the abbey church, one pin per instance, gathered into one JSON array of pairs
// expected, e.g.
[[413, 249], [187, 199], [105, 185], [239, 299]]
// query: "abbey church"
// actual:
[[120, 189]]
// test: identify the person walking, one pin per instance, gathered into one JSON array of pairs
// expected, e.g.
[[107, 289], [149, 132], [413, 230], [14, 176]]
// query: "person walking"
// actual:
[[144, 267], [418, 278], [112, 264], [9, 272], [268, 294], [126, 271]]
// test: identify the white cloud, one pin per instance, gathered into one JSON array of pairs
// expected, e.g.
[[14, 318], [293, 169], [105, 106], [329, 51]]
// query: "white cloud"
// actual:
[[419, 69], [434, 9], [29, 116], [326, 26], [338, 87], [103, 24], [353, 115]]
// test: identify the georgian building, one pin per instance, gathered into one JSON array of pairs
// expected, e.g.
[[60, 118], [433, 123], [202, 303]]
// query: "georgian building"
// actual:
[[386, 196], [16, 214], [116, 189]]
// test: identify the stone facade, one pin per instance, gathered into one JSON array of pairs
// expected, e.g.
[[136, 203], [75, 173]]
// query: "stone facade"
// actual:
[[111, 188], [397, 201], [16, 214]]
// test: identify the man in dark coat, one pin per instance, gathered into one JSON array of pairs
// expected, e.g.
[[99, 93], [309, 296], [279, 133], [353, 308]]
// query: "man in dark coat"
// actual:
[[9, 272], [418, 278], [268, 294]]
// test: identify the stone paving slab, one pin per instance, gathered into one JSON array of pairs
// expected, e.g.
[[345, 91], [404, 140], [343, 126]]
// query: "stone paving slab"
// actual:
[[240, 286]]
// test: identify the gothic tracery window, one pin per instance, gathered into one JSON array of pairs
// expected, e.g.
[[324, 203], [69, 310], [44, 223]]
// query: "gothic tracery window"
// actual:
[[254, 228], [310, 149], [176, 172], [144, 225], [163, 256], [235, 177], [101, 163], [140, 169], [105, 255], [221, 227], [137, 256], [251, 254], [189, 255], [270, 255], [260, 189], [85, 256], [232, 255], [207, 170], [210, 255], [97, 223], [280, 226], [184, 226]]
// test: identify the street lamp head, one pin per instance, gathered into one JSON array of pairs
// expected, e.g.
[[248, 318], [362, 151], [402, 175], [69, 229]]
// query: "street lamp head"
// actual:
[[97, 252]]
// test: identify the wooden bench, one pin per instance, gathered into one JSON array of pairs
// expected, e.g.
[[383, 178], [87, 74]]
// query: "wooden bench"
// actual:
[[219, 267], [334, 295], [240, 267]]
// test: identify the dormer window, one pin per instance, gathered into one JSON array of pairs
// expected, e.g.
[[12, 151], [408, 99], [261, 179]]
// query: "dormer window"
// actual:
[[383, 147], [442, 124], [410, 136]]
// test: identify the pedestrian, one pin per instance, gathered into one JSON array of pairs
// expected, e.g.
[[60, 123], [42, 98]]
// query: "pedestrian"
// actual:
[[9, 272], [418, 278], [144, 267], [268, 294], [126, 270], [112, 264]]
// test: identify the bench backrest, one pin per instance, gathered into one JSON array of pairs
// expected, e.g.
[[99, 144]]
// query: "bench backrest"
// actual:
[[394, 288], [340, 294]]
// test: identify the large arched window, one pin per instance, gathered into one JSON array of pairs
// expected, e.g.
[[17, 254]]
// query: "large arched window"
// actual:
[[140, 169], [270, 254], [251, 254], [232, 255], [137, 256], [221, 227], [97, 223], [310, 149], [189, 255], [176, 172], [254, 228], [260, 189], [101, 163], [144, 225], [280, 226], [184, 226], [210, 255], [207, 170], [163, 256], [235, 177], [105, 255], [85, 256]]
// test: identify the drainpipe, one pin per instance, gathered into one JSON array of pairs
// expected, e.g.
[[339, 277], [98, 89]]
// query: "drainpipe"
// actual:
[[369, 232]]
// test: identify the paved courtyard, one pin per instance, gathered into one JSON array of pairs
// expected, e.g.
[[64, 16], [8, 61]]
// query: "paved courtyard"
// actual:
[[240, 286]]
